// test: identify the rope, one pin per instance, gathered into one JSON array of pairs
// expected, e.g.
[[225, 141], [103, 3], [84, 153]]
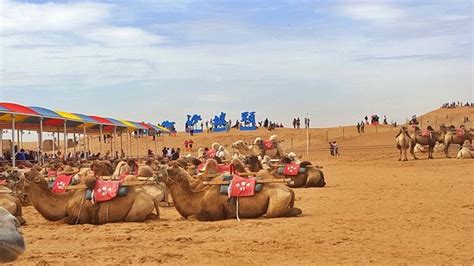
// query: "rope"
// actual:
[[80, 207], [237, 208]]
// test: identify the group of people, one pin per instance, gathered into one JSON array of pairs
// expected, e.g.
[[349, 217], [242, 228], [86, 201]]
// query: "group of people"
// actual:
[[188, 145], [457, 104], [171, 153], [334, 148], [297, 123]]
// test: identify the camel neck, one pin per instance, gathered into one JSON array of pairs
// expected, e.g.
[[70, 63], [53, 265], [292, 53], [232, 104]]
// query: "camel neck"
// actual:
[[51, 206], [187, 203]]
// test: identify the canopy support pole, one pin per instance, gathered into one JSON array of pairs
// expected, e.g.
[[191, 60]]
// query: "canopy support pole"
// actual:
[[85, 141], [138, 145], [13, 141], [101, 138], [156, 147], [129, 150], [1, 141], [65, 139], [40, 146], [121, 144], [146, 142], [112, 143], [74, 139]]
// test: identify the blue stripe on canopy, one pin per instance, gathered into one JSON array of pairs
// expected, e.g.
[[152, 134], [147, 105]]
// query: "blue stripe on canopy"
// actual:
[[46, 112], [87, 119], [116, 122]]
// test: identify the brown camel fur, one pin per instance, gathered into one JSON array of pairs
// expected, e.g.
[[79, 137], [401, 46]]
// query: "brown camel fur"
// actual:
[[73, 208], [313, 177], [275, 200], [12, 205], [417, 138], [450, 137]]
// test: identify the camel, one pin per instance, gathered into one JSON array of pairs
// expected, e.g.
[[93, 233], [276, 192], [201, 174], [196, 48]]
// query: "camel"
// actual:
[[428, 140], [12, 244], [275, 200], [451, 137], [313, 177], [73, 208], [11, 203], [403, 143], [243, 149], [102, 168], [275, 153], [465, 152]]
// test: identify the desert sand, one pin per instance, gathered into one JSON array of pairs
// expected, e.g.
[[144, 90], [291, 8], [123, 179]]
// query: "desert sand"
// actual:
[[373, 210]]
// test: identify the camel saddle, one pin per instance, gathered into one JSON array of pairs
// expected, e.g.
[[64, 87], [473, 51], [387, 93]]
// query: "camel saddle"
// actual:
[[105, 191], [60, 184], [268, 145], [291, 169], [239, 186], [426, 133], [460, 133]]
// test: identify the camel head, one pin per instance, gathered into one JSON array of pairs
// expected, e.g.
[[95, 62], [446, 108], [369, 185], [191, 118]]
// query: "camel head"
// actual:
[[215, 146], [172, 174], [253, 162], [35, 177], [12, 244]]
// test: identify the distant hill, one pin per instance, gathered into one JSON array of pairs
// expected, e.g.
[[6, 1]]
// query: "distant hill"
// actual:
[[448, 116]]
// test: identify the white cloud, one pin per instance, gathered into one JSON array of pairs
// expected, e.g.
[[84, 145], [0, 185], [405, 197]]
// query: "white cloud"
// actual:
[[50, 17], [123, 36], [51, 24], [372, 12]]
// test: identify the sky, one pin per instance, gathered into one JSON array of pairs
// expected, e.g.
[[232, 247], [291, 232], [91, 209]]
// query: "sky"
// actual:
[[161, 60]]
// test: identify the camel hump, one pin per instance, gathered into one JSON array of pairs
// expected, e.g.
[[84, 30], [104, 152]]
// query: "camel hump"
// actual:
[[305, 164]]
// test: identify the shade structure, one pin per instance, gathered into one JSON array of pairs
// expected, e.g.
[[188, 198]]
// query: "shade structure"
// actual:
[[18, 109], [29, 117]]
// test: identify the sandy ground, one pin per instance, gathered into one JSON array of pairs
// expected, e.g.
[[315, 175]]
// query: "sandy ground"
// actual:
[[374, 210]]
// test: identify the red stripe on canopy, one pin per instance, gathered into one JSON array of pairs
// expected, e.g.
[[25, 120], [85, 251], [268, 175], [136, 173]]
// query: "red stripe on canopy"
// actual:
[[101, 120], [145, 126], [20, 109]]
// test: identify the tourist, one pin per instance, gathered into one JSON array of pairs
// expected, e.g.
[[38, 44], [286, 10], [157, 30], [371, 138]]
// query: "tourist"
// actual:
[[191, 143], [358, 128]]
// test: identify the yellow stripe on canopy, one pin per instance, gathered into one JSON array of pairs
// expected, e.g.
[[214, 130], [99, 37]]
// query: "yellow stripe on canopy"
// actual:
[[128, 124], [69, 116], [164, 129], [8, 117]]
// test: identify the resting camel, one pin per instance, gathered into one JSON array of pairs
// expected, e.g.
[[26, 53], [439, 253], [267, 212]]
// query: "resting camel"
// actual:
[[275, 200], [451, 137], [275, 153], [313, 177], [12, 244], [73, 208], [465, 152], [102, 168], [403, 141], [11, 203], [430, 140]]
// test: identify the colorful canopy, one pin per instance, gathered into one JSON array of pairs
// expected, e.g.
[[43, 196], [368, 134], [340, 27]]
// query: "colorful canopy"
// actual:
[[29, 117]]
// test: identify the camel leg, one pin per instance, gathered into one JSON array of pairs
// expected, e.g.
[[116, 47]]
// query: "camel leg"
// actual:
[[280, 205], [446, 150], [404, 155], [412, 151], [400, 158]]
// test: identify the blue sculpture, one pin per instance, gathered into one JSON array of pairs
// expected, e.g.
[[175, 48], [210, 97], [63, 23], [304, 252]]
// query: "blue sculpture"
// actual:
[[219, 123], [169, 125], [248, 121], [192, 123]]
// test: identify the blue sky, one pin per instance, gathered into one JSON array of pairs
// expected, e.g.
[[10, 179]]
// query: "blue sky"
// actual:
[[158, 60]]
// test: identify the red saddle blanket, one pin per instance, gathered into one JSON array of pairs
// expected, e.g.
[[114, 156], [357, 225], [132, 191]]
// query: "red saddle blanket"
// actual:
[[426, 133], [225, 168], [211, 153], [3, 182], [61, 183], [51, 173], [292, 169], [105, 190], [241, 187], [460, 133], [267, 145]]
